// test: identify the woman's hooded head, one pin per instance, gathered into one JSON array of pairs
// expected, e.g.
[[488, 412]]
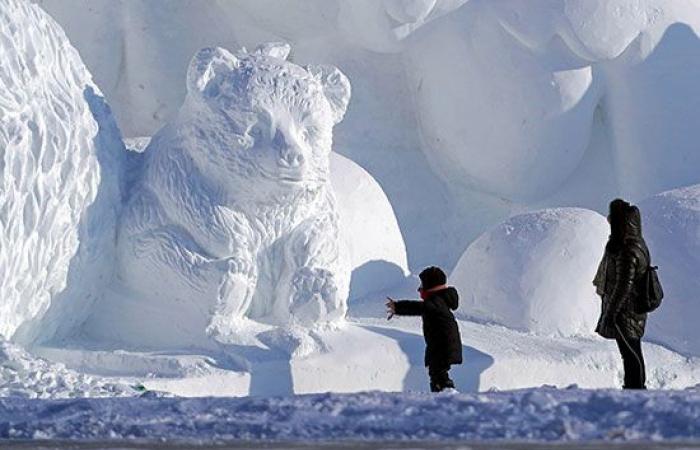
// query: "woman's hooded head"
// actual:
[[625, 223]]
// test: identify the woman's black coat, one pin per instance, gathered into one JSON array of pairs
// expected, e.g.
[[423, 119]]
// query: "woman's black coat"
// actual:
[[623, 264], [440, 330]]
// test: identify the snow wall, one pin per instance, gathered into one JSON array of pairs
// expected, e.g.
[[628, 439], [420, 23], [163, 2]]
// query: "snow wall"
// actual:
[[466, 112], [59, 170]]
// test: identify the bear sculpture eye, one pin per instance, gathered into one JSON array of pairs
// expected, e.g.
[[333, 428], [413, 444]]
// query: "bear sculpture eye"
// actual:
[[257, 133]]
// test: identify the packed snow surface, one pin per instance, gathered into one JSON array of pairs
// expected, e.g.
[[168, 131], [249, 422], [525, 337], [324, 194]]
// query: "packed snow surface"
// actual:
[[533, 272], [373, 354], [538, 415], [59, 175]]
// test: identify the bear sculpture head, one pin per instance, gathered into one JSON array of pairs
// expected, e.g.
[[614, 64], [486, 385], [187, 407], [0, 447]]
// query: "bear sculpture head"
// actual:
[[259, 123]]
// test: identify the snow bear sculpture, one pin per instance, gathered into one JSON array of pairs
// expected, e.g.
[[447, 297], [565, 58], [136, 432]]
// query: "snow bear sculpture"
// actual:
[[234, 217]]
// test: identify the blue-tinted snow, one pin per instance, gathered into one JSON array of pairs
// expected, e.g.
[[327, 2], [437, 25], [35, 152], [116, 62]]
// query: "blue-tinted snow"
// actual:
[[543, 414]]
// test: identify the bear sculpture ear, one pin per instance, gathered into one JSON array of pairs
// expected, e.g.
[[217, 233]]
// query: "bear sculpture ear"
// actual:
[[278, 50], [206, 64], [336, 87]]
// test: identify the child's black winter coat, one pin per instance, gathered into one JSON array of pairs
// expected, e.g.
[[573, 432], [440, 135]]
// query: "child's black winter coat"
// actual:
[[440, 330]]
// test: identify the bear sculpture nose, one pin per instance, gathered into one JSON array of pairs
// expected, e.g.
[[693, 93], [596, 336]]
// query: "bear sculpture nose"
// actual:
[[291, 153], [292, 159]]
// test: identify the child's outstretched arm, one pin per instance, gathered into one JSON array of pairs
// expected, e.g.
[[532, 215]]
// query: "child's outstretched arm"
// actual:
[[404, 307]]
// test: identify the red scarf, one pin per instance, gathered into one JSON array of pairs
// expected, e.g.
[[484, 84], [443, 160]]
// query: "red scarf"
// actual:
[[425, 293]]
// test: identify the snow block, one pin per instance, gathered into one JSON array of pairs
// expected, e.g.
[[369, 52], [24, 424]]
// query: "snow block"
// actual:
[[60, 156], [534, 272], [234, 217], [672, 229]]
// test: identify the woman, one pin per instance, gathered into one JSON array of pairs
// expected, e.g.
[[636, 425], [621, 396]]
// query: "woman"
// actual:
[[625, 260]]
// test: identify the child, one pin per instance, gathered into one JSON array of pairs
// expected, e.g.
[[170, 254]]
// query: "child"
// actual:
[[440, 330]]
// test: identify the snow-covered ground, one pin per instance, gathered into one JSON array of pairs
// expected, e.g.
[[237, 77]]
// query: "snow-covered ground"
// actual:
[[373, 354], [535, 415]]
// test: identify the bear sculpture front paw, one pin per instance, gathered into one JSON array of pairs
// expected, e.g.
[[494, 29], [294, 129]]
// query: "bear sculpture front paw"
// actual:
[[315, 296]]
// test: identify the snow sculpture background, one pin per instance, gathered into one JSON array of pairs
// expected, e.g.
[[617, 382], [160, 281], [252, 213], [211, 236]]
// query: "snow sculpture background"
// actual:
[[513, 105], [234, 212], [571, 103], [59, 170]]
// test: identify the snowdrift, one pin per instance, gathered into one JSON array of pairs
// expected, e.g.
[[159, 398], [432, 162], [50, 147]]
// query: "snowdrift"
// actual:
[[59, 179], [671, 224], [534, 271]]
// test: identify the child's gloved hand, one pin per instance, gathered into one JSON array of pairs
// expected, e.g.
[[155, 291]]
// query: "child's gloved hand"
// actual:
[[390, 308]]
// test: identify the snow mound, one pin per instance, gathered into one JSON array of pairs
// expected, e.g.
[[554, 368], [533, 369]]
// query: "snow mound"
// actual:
[[672, 229], [534, 271], [532, 415], [59, 171], [234, 211], [23, 375], [369, 229]]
